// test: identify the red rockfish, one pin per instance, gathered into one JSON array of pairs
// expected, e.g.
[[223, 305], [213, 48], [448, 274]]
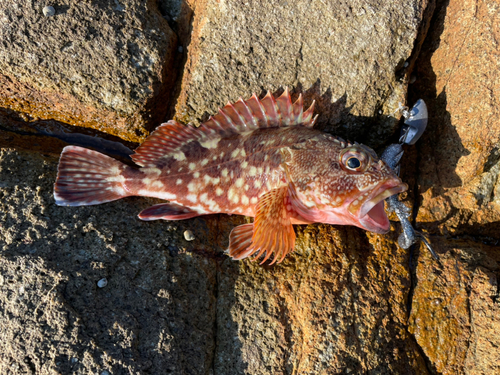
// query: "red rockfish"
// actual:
[[259, 158]]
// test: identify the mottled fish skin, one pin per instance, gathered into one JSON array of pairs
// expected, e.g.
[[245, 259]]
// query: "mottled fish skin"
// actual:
[[227, 179], [260, 158]]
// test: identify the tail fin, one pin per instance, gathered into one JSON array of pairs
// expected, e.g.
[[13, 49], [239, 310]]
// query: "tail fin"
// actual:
[[87, 177]]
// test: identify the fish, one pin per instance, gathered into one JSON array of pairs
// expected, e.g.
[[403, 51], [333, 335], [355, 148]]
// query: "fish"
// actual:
[[257, 157]]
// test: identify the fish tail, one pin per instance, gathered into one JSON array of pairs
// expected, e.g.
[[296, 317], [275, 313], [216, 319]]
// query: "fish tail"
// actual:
[[87, 177]]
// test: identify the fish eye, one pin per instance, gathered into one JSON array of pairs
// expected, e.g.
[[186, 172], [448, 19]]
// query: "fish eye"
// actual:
[[353, 163], [355, 159]]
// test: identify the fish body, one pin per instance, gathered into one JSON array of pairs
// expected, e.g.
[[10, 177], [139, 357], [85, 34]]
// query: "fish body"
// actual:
[[259, 158]]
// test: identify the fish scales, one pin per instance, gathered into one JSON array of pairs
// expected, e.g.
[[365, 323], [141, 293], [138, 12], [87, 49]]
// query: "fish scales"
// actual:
[[228, 179], [259, 158]]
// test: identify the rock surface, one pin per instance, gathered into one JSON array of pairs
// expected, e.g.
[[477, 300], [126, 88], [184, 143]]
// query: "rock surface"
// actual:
[[101, 64], [345, 301], [458, 76], [349, 57], [455, 307], [337, 304], [157, 312]]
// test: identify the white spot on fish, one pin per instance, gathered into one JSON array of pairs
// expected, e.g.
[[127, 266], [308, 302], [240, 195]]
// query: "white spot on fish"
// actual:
[[210, 143], [244, 199], [115, 179], [192, 197], [179, 156], [151, 170], [204, 198], [162, 194], [257, 184], [235, 153], [192, 166], [196, 174], [244, 164], [252, 171], [224, 172], [157, 184], [232, 196], [178, 182], [254, 200], [114, 170], [219, 191], [239, 182], [204, 162], [146, 181], [192, 186]]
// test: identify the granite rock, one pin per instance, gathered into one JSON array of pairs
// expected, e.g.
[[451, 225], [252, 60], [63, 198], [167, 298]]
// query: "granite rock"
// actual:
[[349, 57], [458, 76], [101, 64]]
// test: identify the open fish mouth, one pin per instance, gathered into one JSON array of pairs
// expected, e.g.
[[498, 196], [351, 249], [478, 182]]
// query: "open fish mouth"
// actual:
[[372, 215]]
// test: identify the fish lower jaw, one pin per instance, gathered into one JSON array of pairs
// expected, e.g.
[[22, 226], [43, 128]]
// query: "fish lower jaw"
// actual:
[[371, 214]]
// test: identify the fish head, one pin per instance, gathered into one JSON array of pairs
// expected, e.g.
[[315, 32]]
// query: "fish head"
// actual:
[[348, 186]]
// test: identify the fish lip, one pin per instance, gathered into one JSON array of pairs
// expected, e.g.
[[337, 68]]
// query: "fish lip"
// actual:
[[383, 193], [378, 222]]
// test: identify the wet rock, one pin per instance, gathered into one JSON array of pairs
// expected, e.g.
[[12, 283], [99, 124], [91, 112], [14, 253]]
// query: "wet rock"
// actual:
[[105, 65], [348, 57], [460, 158]]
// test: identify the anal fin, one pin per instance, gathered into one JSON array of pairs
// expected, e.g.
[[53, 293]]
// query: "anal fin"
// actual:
[[240, 240], [167, 211]]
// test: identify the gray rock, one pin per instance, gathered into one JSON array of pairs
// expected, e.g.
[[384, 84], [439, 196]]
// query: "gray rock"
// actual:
[[339, 301], [157, 313], [101, 64], [348, 56]]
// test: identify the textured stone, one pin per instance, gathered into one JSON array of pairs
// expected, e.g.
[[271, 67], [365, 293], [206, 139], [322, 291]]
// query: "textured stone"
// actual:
[[100, 64], [155, 315], [349, 57], [458, 76], [455, 310], [336, 305]]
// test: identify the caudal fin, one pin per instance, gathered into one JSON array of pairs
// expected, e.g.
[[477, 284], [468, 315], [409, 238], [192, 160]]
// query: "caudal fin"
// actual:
[[87, 177]]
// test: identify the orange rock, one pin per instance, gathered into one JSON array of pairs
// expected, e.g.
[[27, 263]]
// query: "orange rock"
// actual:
[[458, 77]]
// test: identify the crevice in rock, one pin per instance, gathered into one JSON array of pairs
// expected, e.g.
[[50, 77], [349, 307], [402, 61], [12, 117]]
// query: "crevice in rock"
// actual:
[[50, 136], [216, 317]]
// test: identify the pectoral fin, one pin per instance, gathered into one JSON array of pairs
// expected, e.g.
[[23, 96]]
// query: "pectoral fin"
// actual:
[[272, 231]]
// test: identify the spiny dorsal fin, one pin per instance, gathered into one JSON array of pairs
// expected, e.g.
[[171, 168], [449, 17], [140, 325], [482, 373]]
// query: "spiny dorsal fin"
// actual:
[[234, 118]]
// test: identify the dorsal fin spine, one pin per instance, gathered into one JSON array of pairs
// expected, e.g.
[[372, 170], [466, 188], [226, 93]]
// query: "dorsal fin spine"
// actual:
[[226, 118], [298, 109], [262, 109], [249, 111], [251, 114], [242, 119]]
